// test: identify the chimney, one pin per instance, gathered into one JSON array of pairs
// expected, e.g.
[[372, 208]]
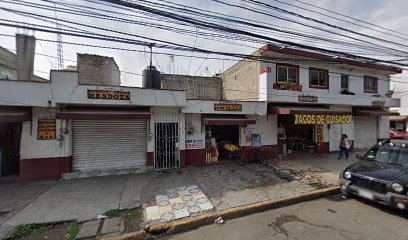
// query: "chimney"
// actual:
[[25, 47]]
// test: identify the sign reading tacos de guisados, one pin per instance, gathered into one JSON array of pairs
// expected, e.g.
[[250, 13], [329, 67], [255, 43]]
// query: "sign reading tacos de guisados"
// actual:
[[322, 119], [108, 94]]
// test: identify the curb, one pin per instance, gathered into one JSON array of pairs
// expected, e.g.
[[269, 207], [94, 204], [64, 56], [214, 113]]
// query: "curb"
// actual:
[[227, 214]]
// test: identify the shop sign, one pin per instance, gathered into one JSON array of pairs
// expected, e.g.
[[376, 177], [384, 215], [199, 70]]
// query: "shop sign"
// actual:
[[308, 98], [378, 103], [108, 94], [195, 144], [322, 119], [227, 107], [265, 70], [46, 129]]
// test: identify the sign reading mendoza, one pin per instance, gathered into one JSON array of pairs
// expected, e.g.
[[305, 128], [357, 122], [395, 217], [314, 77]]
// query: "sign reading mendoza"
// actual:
[[227, 107], [322, 119], [108, 94]]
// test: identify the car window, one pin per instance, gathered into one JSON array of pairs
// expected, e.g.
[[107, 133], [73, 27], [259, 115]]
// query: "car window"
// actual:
[[402, 158]]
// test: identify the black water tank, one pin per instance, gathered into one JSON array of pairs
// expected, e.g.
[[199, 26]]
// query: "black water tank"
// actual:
[[151, 78]]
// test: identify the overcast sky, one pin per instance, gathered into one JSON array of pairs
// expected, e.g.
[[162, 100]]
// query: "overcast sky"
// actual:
[[390, 14]]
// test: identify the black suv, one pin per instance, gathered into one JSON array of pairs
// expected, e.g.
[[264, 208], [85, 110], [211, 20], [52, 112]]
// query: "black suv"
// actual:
[[381, 175]]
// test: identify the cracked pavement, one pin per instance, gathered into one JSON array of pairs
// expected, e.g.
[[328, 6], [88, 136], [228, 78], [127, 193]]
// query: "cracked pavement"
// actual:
[[333, 217]]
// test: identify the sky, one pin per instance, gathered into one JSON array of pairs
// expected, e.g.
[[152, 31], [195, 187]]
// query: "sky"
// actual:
[[389, 14]]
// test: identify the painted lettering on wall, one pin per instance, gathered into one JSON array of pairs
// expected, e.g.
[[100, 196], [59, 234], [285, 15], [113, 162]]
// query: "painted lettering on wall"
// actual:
[[227, 107], [46, 129], [108, 94], [322, 119]]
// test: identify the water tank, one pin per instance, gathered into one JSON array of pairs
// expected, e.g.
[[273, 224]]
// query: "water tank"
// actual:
[[151, 78]]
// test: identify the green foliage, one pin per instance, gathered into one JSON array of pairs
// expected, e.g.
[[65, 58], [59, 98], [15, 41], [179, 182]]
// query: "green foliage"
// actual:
[[27, 229], [112, 213], [73, 230]]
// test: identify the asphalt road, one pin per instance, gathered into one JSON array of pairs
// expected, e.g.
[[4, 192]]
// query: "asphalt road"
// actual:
[[328, 218]]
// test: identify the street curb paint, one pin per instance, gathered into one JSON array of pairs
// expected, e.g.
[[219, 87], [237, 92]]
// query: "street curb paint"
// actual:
[[227, 214]]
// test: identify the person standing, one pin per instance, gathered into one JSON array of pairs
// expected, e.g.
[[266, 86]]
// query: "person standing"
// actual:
[[345, 144]]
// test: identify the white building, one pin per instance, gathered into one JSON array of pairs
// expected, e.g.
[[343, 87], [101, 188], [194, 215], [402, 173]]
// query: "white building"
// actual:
[[306, 86], [71, 125]]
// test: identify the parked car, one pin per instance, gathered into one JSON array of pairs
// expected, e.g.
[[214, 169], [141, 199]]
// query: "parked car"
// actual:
[[395, 133], [380, 175]]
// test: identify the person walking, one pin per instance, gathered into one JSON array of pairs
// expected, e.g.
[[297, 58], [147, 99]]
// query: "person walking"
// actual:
[[345, 144]]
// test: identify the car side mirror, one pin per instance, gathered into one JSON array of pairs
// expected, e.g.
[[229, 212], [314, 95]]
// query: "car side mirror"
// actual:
[[359, 156]]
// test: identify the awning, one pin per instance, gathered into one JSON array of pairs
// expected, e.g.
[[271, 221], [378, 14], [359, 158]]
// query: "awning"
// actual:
[[286, 110], [227, 119], [372, 112], [103, 114], [15, 114], [399, 118]]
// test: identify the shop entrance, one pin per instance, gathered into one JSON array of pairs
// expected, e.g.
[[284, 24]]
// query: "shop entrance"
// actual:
[[297, 137], [222, 142], [10, 136], [167, 154]]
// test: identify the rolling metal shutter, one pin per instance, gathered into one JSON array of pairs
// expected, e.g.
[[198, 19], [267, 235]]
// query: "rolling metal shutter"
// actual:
[[365, 132], [103, 145]]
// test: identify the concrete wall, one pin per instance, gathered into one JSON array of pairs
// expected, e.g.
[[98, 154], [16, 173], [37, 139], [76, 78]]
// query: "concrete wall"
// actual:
[[266, 126], [191, 84], [66, 90], [203, 106], [8, 69], [31, 147], [25, 47], [241, 81], [97, 70], [383, 127]]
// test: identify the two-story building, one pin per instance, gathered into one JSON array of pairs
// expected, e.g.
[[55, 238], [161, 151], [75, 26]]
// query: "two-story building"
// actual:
[[313, 98]]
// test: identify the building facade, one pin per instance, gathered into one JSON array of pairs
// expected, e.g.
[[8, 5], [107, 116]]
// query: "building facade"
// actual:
[[316, 97], [81, 123]]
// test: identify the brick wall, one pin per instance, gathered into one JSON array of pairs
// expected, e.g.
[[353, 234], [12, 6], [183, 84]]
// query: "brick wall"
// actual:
[[196, 87], [241, 81], [97, 70]]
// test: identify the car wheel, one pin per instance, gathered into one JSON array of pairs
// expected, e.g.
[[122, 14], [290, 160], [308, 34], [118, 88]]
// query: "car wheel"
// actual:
[[345, 193]]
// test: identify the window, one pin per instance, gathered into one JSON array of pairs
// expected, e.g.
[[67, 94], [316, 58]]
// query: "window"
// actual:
[[370, 84], [287, 74], [318, 78], [202, 90], [344, 82]]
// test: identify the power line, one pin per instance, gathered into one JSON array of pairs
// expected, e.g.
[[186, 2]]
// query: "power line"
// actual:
[[227, 29], [340, 19], [349, 17], [218, 40]]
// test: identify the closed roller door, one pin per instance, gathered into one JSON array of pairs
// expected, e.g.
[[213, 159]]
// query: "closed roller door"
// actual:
[[102, 145], [365, 132]]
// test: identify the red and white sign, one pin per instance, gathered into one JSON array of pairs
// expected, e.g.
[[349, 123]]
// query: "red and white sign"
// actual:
[[195, 144], [265, 70]]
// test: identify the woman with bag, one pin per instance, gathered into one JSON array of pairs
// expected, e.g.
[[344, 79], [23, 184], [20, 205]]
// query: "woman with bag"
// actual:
[[345, 144]]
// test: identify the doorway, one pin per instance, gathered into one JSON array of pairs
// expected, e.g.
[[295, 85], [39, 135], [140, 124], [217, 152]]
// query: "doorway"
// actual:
[[10, 136], [167, 146]]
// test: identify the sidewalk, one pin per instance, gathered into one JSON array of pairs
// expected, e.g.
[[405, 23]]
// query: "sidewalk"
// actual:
[[225, 186]]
